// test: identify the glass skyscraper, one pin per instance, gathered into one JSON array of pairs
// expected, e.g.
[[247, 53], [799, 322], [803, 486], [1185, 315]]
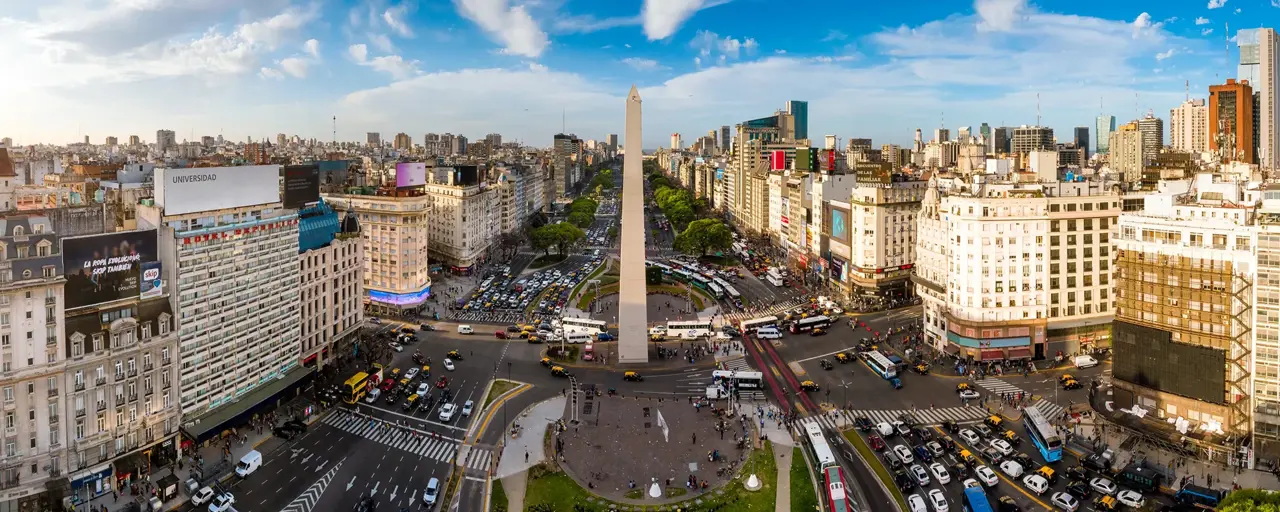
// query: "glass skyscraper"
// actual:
[[800, 111], [1106, 125]]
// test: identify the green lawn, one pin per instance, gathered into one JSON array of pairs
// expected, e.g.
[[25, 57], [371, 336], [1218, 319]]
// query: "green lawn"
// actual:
[[803, 496], [547, 260], [556, 491], [498, 499], [881, 472], [500, 386]]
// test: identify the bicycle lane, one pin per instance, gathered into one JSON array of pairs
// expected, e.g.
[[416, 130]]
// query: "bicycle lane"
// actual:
[[807, 406], [778, 392]]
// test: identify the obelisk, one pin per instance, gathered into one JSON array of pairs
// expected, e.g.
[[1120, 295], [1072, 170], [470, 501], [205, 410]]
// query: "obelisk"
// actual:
[[633, 318]]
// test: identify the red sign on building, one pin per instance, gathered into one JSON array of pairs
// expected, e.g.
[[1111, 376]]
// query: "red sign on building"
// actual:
[[778, 161]]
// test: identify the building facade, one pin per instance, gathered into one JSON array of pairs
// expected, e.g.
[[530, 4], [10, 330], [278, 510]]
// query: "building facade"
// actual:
[[395, 230], [1258, 67], [1232, 122], [330, 264], [1126, 152], [1189, 127], [1102, 134], [883, 238]]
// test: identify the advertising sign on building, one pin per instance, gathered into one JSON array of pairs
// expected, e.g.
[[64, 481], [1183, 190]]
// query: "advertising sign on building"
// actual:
[[411, 174], [202, 189], [108, 267], [802, 159], [301, 185], [778, 160], [333, 172], [152, 285], [831, 160], [840, 224]]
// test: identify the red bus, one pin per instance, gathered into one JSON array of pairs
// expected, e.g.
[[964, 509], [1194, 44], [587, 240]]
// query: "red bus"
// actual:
[[837, 499]]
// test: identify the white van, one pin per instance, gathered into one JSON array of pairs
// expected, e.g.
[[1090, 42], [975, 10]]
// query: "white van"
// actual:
[[465, 329], [768, 333], [1085, 362], [660, 330], [249, 463], [577, 337], [1036, 483]]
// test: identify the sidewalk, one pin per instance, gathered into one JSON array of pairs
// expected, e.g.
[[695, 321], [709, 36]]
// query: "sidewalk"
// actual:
[[521, 453], [783, 461]]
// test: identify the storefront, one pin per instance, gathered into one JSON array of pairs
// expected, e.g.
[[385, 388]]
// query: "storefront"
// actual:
[[89, 484]]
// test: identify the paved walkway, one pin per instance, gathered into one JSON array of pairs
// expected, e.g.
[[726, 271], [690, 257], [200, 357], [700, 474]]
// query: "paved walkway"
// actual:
[[521, 453], [782, 458], [514, 486]]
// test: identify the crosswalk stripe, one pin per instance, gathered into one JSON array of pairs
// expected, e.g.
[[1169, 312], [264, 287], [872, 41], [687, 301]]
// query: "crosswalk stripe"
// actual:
[[421, 446]]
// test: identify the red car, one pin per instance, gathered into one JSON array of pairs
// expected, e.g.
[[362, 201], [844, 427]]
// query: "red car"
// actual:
[[442, 383], [388, 383], [877, 444]]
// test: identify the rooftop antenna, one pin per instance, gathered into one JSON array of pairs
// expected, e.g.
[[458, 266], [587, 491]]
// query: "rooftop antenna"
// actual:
[[1187, 86], [563, 123], [1037, 109], [335, 129]]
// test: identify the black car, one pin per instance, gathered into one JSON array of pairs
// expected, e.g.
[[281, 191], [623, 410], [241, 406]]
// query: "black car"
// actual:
[[947, 443], [959, 471], [950, 426], [904, 481], [1006, 504], [1079, 489], [284, 433], [1096, 462], [863, 423], [366, 504], [924, 434], [1077, 473], [513, 328]]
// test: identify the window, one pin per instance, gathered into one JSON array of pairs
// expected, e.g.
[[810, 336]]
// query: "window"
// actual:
[[166, 399], [8, 394]]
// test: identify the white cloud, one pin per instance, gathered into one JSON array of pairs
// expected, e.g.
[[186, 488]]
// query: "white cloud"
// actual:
[[381, 42], [780, 51], [312, 48], [394, 17], [1165, 54], [585, 24], [835, 35], [1202, 21], [358, 52], [708, 43], [642, 64], [1215, 4], [394, 65], [1237, 10], [662, 18], [295, 66], [999, 15], [271, 74], [1206, 31], [272, 31], [511, 26]]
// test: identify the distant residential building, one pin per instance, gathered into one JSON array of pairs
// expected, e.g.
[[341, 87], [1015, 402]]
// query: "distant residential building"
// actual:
[[1102, 136], [1189, 127], [165, 139], [373, 139], [1082, 140], [1232, 121], [1031, 138], [112, 141], [1126, 152], [1152, 129], [402, 142]]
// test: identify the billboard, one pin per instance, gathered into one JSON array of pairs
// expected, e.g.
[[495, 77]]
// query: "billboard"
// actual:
[[333, 172], [778, 160], [1150, 358], [831, 160], [802, 159], [840, 224], [183, 191], [151, 285], [411, 174], [301, 185], [719, 173], [108, 267]]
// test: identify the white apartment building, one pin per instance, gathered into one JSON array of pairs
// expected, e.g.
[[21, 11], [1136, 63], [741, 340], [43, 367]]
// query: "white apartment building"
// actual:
[[395, 231], [1266, 328], [1189, 126], [883, 238], [331, 261], [231, 251], [465, 218], [1016, 270]]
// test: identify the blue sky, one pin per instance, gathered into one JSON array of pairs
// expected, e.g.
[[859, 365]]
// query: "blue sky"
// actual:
[[868, 69]]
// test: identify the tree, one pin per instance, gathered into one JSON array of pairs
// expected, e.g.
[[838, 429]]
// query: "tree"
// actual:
[[565, 236], [612, 232], [542, 238], [1250, 500], [581, 219], [702, 236], [653, 275]]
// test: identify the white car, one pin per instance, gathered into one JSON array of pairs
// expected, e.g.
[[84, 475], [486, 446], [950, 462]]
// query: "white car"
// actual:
[[411, 373], [1065, 501], [373, 395], [940, 473], [1011, 468], [987, 476], [1102, 485], [431, 493], [446, 412], [916, 503], [1035, 483], [971, 437], [904, 453], [202, 496], [424, 388], [1131, 499], [884, 429], [466, 408], [969, 394], [222, 503], [1002, 446], [938, 500], [397, 347], [448, 364], [921, 476], [969, 482]]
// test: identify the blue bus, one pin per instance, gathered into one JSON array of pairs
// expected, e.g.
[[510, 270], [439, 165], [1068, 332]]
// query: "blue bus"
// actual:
[[1042, 434], [975, 500], [1196, 495], [880, 364]]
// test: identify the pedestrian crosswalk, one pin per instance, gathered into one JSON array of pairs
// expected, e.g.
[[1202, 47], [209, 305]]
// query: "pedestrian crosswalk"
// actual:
[[421, 445], [1049, 410], [477, 458], [737, 365], [925, 416], [998, 386], [779, 308]]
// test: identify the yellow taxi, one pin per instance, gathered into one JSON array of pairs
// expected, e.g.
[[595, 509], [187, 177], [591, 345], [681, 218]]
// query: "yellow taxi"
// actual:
[[559, 371], [963, 386], [546, 361], [808, 385], [634, 376], [843, 357]]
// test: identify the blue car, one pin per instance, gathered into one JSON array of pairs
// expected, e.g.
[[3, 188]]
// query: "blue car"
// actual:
[[604, 336], [923, 454]]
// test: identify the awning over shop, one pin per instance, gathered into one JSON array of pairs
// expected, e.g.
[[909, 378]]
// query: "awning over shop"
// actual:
[[1019, 353], [132, 465], [990, 355], [952, 349], [234, 414]]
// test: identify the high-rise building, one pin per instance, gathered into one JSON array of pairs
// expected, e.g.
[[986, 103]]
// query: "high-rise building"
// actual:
[[963, 134], [281, 139], [458, 145], [882, 219], [1000, 141], [134, 140], [402, 142], [1051, 294], [1259, 67], [1189, 127], [726, 141], [612, 140], [331, 265], [799, 111], [165, 139], [1102, 137], [1126, 152], [1232, 122], [392, 285], [373, 139], [1184, 290], [985, 132], [1152, 129], [465, 216], [1031, 138], [941, 135], [112, 141], [494, 140], [223, 230], [676, 143], [1082, 140], [1266, 328]]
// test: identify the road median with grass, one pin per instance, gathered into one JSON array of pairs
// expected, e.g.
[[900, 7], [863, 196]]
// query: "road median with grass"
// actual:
[[876, 465]]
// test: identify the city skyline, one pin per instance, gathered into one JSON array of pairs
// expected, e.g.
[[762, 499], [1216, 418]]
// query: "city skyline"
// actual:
[[244, 69]]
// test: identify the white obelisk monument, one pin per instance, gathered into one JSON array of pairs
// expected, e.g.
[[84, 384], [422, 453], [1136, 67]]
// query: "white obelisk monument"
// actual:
[[633, 318]]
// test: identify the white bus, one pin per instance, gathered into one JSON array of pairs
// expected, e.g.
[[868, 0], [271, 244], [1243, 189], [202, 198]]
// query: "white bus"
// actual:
[[690, 329], [751, 381], [818, 443], [583, 326], [880, 364], [774, 280], [733, 292], [805, 324], [715, 290], [756, 323]]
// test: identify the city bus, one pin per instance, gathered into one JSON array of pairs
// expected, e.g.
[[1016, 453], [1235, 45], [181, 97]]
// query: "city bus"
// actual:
[[756, 323], [1042, 434], [665, 269], [715, 290], [880, 364], [837, 497], [573, 325], [732, 292], [355, 388], [689, 329], [749, 381], [699, 280], [806, 324], [975, 500], [818, 446]]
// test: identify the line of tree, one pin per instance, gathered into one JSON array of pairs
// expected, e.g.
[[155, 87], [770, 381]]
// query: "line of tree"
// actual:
[[695, 236], [582, 211], [561, 235], [703, 236], [603, 180], [1250, 500]]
